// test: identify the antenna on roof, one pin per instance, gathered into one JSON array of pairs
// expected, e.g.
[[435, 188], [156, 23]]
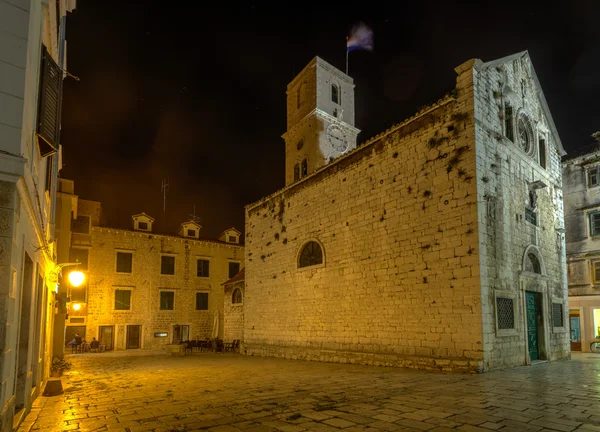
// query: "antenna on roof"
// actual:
[[195, 218], [164, 187]]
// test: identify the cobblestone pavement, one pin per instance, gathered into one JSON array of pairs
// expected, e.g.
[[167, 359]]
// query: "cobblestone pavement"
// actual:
[[229, 392]]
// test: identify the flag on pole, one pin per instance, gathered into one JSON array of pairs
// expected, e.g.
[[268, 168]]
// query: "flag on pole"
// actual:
[[361, 38]]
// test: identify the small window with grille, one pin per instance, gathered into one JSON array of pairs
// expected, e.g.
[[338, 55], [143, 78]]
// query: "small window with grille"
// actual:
[[506, 314], [557, 315]]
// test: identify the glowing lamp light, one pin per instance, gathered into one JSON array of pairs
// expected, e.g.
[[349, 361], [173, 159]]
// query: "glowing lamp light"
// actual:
[[76, 278], [76, 306]]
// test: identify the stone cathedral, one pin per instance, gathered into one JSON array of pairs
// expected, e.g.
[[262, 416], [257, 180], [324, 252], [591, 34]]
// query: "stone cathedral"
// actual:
[[437, 244]]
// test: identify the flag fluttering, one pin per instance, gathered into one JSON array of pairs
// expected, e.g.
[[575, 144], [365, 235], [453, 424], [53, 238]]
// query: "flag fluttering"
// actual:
[[361, 38]]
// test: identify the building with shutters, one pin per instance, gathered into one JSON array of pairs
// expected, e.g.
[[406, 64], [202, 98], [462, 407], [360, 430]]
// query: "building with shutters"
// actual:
[[581, 177], [144, 289], [436, 244], [32, 56]]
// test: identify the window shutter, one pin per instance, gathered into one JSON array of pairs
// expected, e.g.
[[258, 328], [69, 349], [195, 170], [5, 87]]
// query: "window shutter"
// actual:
[[49, 106]]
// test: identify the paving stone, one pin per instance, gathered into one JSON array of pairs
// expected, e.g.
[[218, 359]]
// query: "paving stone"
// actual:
[[254, 394]]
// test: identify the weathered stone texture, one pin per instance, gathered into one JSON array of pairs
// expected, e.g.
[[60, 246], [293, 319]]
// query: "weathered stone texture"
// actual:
[[415, 254], [233, 326], [397, 221], [146, 282], [504, 172]]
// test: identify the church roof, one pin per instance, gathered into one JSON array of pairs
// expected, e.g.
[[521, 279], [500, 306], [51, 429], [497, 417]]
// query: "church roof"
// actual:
[[540, 93], [237, 278]]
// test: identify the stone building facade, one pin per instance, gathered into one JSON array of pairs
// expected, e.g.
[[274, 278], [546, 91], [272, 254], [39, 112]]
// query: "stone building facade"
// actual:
[[437, 244], [147, 289], [32, 45], [233, 307], [582, 223]]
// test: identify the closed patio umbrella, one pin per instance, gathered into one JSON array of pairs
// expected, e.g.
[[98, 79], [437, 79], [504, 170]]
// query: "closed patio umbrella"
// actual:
[[215, 330]]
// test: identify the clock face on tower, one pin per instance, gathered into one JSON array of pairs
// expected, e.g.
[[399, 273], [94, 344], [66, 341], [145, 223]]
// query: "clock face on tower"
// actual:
[[337, 138]]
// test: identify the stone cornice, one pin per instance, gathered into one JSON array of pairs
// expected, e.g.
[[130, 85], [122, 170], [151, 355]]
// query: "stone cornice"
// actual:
[[146, 234]]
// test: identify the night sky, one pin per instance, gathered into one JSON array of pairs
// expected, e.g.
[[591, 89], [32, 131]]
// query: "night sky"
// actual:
[[197, 94]]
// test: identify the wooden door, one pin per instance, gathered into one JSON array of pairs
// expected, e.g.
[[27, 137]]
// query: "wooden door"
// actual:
[[133, 336]]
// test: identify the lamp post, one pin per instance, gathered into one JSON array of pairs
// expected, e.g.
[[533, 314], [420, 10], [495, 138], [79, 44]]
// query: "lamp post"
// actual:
[[76, 278]]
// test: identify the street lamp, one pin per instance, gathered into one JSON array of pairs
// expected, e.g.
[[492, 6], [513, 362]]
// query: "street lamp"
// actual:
[[76, 278]]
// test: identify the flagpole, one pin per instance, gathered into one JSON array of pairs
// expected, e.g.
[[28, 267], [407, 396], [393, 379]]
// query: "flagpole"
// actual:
[[346, 55]]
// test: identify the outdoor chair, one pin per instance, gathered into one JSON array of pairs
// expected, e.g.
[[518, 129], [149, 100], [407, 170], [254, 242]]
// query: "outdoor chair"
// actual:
[[203, 344], [189, 345]]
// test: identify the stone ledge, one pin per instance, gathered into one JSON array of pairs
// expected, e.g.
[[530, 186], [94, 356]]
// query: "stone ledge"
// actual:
[[364, 358]]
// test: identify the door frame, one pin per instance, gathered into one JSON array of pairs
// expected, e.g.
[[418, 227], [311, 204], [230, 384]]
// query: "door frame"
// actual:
[[113, 333], [141, 339], [536, 285]]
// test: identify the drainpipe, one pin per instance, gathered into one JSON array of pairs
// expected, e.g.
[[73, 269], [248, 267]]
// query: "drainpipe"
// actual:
[[61, 60]]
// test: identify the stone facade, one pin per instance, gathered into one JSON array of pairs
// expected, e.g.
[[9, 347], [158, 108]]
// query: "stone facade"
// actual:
[[233, 308], [582, 224], [423, 236], [320, 119], [131, 302], [29, 43]]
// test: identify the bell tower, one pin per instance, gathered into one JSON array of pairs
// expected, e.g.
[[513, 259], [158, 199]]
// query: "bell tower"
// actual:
[[320, 119]]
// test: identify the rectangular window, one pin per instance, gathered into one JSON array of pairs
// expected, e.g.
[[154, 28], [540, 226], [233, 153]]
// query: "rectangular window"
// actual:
[[593, 176], [124, 262], [557, 315], [81, 225], [167, 300], [595, 224], [506, 314], [530, 216], [202, 268], [232, 239], [167, 265], [201, 301], [143, 225], [542, 152], [596, 265], [78, 294], [122, 300], [191, 233], [81, 256], [234, 268], [508, 122]]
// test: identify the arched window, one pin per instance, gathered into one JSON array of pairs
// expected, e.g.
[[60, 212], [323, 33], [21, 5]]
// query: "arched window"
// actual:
[[236, 297], [301, 94], [304, 167], [336, 97], [310, 255], [533, 264], [296, 172]]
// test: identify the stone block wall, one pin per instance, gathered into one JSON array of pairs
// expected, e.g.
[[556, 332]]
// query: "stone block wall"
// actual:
[[504, 173], [146, 282], [397, 219], [233, 326]]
